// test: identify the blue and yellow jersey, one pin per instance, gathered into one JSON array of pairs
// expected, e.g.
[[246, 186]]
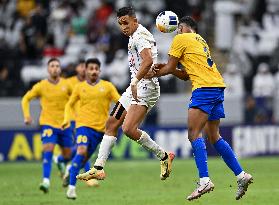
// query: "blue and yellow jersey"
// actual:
[[53, 98], [193, 53], [95, 103], [73, 81]]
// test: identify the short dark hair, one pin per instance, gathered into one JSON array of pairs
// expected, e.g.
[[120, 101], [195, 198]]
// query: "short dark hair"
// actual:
[[92, 60], [189, 21], [53, 59], [80, 61], [127, 10]]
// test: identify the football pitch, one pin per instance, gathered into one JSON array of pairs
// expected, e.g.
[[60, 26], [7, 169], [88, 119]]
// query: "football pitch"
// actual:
[[138, 183]]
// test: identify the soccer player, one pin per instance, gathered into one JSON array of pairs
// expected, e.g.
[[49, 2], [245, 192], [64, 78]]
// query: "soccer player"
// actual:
[[95, 97], [53, 93], [59, 160], [136, 101], [206, 105]]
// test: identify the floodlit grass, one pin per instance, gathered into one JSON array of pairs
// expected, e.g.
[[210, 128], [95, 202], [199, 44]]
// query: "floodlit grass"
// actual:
[[138, 183]]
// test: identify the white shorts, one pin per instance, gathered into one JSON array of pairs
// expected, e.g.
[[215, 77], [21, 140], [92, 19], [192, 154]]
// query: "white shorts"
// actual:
[[147, 96]]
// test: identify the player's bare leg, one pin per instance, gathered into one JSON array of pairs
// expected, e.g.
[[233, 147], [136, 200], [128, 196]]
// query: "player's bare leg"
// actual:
[[134, 118], [223, 148], [114, 122], [196, 122]]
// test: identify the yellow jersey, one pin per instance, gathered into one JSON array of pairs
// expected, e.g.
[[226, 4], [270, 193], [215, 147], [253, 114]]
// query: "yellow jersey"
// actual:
[[73, 81], [53, 98], [95, 103], [193, 53]]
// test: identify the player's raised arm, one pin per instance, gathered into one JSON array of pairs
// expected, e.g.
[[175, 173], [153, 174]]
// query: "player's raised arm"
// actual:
[[70, 106], [33, 93]]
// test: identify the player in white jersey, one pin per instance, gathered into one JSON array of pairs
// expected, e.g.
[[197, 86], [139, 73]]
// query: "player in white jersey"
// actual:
[[138, 99]]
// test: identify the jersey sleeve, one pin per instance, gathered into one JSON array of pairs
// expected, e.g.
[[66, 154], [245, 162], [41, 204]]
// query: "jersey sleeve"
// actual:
[[114, 93], [33, 93], [70, 104], [142, 43], [177, 47]]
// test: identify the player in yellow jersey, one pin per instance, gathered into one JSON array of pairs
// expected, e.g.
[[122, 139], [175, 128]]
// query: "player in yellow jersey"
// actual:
[[73, 81], [206, 105], [53, 93], [59, 160], [95, 96]]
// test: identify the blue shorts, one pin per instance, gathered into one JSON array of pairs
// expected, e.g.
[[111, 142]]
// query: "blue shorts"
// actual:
[[88, 137], [209, 100], [57, 136]]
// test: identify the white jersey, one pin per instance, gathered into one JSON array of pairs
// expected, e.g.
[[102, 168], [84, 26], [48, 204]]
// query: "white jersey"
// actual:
[[140, 40], [148, 89]]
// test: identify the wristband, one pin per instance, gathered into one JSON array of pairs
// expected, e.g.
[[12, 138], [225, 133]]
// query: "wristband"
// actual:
[[134, 81]]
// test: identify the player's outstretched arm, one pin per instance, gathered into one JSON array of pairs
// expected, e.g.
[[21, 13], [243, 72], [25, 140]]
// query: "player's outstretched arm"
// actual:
[[169, 68], [181, 74], [33, 93]]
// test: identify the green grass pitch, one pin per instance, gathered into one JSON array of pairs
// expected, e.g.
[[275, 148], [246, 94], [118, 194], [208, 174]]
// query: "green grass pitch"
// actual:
[[138, 183]]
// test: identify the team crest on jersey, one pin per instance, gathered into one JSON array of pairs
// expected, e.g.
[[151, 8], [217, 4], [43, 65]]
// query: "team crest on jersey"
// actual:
[[102, 89], [63, 88]]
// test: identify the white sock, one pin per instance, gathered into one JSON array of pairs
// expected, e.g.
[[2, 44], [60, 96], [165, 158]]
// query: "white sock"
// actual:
[[204, 180], [46, 181], [150, 145], [104, 150], [240, 176], [72, 187], [68, 167]]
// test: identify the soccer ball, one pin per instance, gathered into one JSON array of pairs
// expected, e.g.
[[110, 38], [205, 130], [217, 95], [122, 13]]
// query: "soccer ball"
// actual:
[[167, 21]]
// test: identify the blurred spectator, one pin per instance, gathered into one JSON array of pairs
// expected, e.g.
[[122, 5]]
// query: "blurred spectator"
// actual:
[[6, 85], [250, 110], [274, 58], [30, 41], [263, 91], [50, 50], [117, 72], [39, 20], [24, 7], [276, 77], [263, 82], [59, 22], [98, 20], [234, 81]]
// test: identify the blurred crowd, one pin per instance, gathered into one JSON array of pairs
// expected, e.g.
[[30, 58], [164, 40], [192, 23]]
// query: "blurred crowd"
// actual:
[[32, 31], [253, 69]]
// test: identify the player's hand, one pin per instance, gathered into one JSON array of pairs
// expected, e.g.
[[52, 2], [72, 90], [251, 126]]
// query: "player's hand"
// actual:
[[157, 67], [150, 74], [28, 120], [134, 88], [64, 124]]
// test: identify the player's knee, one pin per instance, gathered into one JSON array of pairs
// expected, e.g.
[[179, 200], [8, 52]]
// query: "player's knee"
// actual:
[[213, 138], [192, 134], [67, 153], [48, 147], [82, 150], [127, 130]]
